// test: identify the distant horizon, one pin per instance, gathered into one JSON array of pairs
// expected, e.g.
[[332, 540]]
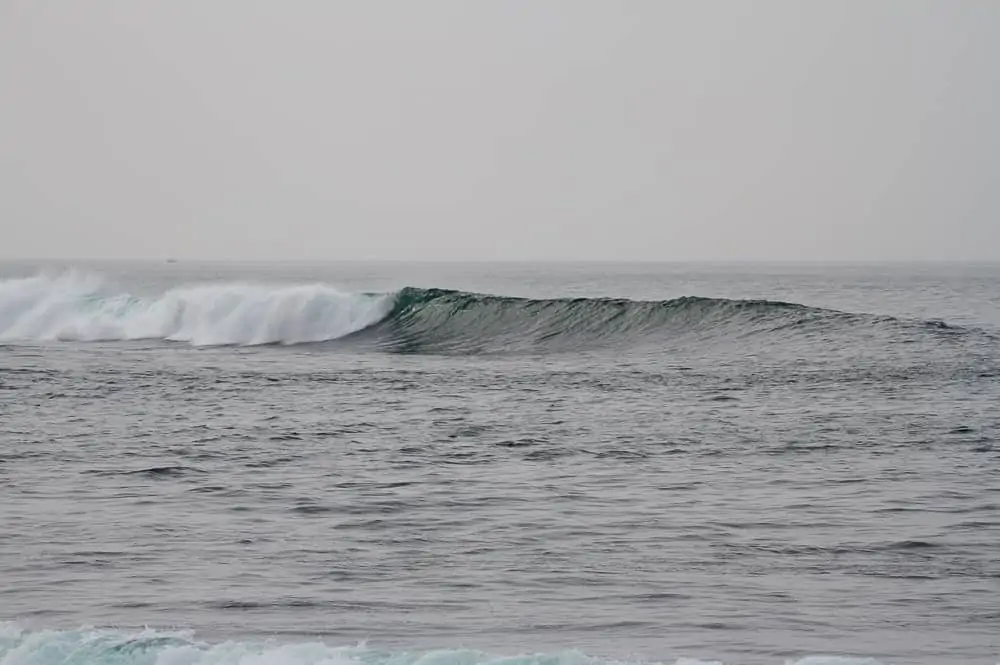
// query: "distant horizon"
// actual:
[[581, 261]]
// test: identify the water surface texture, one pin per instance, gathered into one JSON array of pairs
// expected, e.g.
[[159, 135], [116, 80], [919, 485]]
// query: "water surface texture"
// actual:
[[387, 464]]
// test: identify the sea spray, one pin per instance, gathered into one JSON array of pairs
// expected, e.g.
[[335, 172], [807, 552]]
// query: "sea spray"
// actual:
[[82, 307]]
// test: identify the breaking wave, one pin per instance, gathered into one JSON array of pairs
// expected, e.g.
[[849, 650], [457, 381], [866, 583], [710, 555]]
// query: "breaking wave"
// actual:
[[150, 647], [75, 307]]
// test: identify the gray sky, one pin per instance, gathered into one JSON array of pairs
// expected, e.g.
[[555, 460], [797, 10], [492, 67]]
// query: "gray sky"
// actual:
[[513, 129]]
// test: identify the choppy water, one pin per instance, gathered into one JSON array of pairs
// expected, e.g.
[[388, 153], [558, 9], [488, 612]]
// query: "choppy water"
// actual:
[[512, 464]]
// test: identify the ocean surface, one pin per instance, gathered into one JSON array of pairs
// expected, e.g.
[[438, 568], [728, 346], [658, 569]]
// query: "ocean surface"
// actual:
[[517, 464]]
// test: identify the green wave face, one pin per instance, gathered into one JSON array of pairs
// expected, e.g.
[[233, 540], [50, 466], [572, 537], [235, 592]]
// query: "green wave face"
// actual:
[[456, 322]]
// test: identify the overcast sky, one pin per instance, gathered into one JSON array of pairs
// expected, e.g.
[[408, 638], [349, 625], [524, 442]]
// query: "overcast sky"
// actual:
[[500, 129]]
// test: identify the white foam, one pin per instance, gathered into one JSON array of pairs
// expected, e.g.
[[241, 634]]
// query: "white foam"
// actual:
[[88, 646], [83, 307]]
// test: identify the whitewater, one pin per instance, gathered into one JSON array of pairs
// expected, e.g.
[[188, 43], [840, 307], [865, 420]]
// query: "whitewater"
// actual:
[[499, 464], [85, 307], [150, 647]]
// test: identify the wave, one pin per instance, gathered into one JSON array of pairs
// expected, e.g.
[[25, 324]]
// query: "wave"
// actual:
[[88, 646], [80, 307]]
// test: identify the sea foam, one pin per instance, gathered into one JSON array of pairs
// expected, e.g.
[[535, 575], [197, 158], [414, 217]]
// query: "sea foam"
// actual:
[[88, 646]]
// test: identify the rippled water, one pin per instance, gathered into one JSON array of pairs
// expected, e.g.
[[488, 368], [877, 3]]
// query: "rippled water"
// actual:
[[641, 463]]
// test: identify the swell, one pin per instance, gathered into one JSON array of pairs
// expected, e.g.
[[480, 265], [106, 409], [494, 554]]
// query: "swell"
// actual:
[[75, 307]]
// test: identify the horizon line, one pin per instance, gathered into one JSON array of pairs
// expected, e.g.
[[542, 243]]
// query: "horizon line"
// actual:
[[170, 260]]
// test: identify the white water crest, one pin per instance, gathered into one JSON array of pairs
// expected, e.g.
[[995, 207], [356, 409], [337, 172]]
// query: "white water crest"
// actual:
[[88, 646], [84, 307]]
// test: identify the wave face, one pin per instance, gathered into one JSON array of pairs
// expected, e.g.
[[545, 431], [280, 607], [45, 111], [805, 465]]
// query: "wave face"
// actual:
[[75, 307], [150, 647], [80, 307], [443, 321]]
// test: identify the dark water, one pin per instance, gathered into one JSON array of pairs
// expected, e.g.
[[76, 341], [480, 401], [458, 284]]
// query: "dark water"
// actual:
[[743, 464]]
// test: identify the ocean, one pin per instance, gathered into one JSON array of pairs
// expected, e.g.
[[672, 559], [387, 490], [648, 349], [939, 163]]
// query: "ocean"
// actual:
[[507, 464]]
